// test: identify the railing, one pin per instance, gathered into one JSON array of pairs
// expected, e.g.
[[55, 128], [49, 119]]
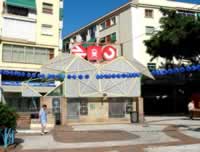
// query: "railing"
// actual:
[[7, 135]]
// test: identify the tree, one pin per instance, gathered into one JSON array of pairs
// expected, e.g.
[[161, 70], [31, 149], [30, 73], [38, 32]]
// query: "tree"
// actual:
[[8, 117], [178, 38]]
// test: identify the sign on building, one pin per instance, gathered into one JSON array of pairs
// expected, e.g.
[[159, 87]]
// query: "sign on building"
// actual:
[[79, 50], [95, 53]]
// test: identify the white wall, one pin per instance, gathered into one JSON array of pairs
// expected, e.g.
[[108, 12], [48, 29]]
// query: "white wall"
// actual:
[[139, 22], [19, 29], [125, 32], [109, 31]]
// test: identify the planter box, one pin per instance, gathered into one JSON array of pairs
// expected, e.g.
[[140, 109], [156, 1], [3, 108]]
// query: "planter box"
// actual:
[[24, 121], [7, 137]]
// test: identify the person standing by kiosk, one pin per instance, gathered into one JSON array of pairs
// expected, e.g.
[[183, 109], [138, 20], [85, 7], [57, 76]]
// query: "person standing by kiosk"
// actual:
[[191, 109], [43, 118]]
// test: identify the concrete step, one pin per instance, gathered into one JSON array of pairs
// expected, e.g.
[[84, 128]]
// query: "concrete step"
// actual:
[[31, 131]]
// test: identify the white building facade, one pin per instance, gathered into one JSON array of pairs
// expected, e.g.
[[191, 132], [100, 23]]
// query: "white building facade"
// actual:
[[28, 40], [128, 26]]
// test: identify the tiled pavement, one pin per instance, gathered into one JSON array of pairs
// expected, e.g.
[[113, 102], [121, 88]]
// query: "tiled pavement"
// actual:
[[156, 135]]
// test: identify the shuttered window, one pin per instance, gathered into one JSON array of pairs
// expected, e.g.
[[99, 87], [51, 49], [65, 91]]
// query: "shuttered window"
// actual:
[[113, 21], [103, 26], [113, 37], [7, 53], [148, 13], [149, 30], [26, 54], [47, 8], [47, 29], [29, 55], [18, 54]]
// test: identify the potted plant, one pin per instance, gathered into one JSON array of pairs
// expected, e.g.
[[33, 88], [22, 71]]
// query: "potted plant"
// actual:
[[8, 119]]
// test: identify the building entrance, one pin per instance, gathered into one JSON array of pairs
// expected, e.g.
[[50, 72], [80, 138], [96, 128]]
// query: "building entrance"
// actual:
[[73, 109], [116, 108], [56, 110]]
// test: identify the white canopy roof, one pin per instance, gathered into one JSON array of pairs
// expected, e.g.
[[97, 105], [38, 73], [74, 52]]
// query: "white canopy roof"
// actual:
[[93, 87]]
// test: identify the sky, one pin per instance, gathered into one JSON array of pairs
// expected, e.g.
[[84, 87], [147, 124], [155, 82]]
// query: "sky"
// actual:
[[78, 13]]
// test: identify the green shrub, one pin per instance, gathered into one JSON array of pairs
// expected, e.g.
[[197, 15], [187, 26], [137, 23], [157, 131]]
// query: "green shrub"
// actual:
[[8, 117]]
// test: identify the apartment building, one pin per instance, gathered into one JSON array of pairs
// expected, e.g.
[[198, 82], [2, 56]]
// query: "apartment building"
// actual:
[[30, 35], [128, 26]]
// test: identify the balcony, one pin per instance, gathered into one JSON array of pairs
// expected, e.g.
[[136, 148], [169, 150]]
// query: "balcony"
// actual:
[[19, 28], [19, 21]]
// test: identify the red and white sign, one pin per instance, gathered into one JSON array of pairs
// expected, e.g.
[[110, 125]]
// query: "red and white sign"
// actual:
[[94, 53], [79, 50], [109, 53]]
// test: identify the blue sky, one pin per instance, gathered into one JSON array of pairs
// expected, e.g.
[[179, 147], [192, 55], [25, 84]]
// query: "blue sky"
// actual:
[[78, 13], [190, 1]]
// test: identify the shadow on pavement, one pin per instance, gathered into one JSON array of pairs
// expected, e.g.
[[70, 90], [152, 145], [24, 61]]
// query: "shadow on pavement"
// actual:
[[195, 129], [18, 141]]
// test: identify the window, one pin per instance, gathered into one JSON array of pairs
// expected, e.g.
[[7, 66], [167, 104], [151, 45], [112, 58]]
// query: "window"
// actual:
[[108, 23], [113, 21], [7, 53], [102, 40], [149, 30], [51, 54], [186, 13], [103, 26], [84, 36], [83, 108], [18, 53], [22, 104], [26, 54], [92, 31], [149, 13], [108, 39], [40, 54], [29, 54], [113, 37], [47, 8], [151, 66], [66, 45], [17, 10], [47, 29]]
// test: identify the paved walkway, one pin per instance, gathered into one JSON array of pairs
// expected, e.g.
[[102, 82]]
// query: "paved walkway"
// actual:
[[146, 136], [182, 148], [157, 132]]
